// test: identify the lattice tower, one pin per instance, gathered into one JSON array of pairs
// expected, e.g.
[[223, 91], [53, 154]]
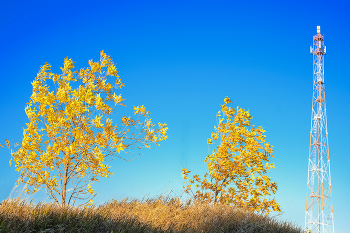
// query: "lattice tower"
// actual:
[[319, 207]]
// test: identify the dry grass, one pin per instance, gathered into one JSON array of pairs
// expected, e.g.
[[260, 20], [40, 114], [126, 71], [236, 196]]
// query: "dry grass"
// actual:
[[151, 215]]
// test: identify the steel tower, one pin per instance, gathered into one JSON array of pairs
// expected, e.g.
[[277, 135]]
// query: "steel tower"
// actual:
[[319, 207]]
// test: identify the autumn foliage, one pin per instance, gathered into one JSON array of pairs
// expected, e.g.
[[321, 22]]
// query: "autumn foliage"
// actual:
[[70, 133], [238, 166]]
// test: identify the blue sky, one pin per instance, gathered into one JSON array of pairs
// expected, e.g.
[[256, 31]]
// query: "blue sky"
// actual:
[[180, 59]]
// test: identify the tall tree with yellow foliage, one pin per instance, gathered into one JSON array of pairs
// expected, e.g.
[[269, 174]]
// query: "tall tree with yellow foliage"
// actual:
[[70, 134], [237, 166]]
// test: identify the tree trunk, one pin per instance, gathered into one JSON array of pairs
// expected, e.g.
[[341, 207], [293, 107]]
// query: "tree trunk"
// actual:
[[64, 188], [216, 191]]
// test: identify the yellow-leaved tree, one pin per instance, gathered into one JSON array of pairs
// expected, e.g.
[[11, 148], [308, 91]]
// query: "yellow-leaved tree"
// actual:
[[70, 134], [237, 166]]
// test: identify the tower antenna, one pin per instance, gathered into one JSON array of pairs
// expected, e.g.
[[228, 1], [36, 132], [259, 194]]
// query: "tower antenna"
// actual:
[[319, 206]]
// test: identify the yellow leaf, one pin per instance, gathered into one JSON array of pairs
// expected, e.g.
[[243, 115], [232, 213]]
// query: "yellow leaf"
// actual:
[[227, 100]]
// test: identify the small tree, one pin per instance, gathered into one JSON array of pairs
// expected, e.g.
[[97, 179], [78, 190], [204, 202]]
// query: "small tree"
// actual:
[[69, 137], [238, 165]]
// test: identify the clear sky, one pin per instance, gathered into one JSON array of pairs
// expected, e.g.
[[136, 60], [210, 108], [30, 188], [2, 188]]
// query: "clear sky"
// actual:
[[180, 59]]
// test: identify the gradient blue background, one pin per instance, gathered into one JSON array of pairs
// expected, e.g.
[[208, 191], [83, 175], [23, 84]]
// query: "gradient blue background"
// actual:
[[180, 59]]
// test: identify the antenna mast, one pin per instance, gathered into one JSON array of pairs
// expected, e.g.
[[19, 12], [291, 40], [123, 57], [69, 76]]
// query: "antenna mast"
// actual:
[[319, 207]]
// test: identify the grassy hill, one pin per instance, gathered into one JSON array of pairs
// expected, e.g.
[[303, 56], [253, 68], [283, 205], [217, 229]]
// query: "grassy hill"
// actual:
[[151, 215]]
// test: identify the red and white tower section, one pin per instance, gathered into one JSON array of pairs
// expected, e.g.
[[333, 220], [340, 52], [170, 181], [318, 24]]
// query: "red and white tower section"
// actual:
[[319, 207]]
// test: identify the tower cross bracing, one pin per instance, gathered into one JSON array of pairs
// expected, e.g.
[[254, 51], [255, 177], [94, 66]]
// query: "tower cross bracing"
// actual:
[[319, 206]]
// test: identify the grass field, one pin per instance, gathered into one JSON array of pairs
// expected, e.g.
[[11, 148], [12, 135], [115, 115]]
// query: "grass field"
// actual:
[[162, 214]]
